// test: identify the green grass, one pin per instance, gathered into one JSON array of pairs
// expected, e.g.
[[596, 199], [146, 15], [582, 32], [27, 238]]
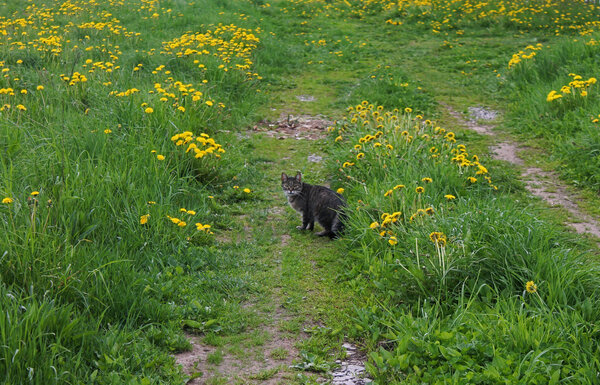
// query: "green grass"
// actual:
[[565, 125], [90, 294], [279, 354], [215, 358], [447, 294], [264, 375]]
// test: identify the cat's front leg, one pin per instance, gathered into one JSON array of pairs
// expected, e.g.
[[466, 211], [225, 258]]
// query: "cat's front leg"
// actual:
[[311, 225], [308, 222]]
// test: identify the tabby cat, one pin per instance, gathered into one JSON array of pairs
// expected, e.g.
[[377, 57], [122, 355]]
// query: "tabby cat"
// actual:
[[315, 202]]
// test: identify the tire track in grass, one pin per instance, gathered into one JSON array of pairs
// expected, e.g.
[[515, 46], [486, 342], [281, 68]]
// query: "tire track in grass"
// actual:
[[542, 184]]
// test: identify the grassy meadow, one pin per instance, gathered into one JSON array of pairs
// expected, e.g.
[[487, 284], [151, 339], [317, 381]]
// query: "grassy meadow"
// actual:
[[137, 203]]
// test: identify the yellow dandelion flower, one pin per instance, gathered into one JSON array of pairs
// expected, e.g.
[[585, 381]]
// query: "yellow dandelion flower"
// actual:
[[449, 197], [420, 189], [531, 287], [144, 219], [160, 157], [340, 190], [388, 193], [360, 155], [7, 201], [472, 179], [181, 224], [393, 240], [34, 193], [438, 238], [553, 95], [427, 180], [374, 225], [247, 190]]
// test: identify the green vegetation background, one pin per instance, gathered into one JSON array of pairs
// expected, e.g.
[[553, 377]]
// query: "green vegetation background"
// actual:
[[91, 295]]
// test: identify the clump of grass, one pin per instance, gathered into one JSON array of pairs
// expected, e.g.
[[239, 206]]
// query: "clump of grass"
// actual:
[[441, 16], [388, 85], [215, 358], [555, 99], [265, 374], [279, 354], [456, 262]]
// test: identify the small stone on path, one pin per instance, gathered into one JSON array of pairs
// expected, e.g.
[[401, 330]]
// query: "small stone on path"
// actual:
[[306, 98], [351, 370], [481, 113], [315, 158]]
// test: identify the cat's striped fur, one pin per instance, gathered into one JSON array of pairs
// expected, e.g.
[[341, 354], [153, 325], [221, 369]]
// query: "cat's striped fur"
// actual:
[[315, 203]]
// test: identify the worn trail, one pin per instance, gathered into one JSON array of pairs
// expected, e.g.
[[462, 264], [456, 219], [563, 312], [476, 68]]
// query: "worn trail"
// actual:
[[542, 184]]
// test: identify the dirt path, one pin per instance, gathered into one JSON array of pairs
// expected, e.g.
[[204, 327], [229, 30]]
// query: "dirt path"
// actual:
[[266, 352], [542, 184], [264, 356]]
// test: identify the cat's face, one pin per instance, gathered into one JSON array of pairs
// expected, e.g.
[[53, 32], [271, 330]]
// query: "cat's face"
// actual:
[[291, 185]]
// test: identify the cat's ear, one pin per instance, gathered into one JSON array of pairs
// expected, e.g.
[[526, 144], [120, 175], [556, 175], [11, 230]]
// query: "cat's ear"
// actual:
[[299, 176], [284, 177]]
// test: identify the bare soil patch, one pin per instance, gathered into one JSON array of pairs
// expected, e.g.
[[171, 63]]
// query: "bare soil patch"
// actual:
[[265, 362], [543, 184], [295, 126], [507, 151]]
